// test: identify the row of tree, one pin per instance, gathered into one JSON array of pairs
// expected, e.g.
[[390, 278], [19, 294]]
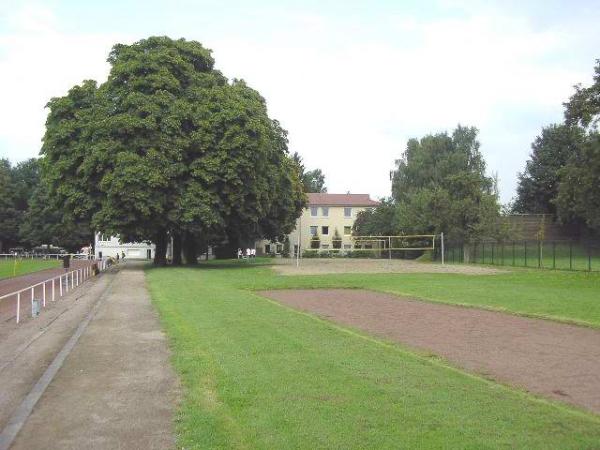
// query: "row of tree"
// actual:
[[167, 149], [562, 176], [26, 216], [439, 185], [440, 182]]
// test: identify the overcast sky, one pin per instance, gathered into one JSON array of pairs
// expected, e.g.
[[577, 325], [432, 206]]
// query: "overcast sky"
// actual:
[[350, 80]]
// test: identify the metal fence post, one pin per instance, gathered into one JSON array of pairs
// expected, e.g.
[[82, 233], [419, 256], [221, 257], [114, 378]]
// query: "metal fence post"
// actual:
[[513, 253], [570, 255]]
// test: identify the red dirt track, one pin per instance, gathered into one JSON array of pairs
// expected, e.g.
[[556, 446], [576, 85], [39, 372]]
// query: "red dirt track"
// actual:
[[8, 285], [552, 359]]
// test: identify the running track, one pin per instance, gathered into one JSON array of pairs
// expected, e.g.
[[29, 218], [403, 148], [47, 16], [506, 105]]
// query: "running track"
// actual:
[[8, 306]]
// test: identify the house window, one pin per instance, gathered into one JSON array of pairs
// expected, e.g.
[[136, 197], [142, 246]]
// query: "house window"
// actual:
[[267, 248], [325, 211], [279, 248], [314, 211], [347, 212], [313, 230], [104, 238], [324, 231], [347, 231]]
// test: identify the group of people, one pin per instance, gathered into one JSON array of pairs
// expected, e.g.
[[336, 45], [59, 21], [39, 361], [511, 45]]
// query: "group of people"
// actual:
[[250, 253]]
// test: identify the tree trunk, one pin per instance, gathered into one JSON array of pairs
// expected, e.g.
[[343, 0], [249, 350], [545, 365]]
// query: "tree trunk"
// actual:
[[466, 253], [160, 253], [190, 249], [177, 243]]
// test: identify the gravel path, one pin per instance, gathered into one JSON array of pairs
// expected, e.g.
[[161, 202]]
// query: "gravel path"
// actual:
[[555, 360], [116, 389], [319, 266]]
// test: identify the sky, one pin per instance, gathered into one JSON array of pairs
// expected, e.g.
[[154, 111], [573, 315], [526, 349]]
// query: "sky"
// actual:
[[350, 80]]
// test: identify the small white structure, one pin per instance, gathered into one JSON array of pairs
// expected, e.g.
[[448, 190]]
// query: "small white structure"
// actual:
[[107, 246]]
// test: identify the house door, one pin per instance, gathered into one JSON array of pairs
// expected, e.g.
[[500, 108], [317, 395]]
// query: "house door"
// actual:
[[148, 254]]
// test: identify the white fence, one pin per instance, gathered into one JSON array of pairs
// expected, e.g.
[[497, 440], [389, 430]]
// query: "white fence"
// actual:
[[50, 289]]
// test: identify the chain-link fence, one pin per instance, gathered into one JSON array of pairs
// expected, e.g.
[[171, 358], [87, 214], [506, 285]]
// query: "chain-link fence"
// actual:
[[581, 255]]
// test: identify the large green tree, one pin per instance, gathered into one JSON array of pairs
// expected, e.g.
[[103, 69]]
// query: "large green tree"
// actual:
[[167, 146], [561, 176], [9, 214], [440, 185], [539, 183], [583, 108], [379, 221], [578, 199]]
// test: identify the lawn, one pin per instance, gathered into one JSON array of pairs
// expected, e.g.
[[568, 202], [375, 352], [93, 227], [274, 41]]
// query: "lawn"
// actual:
[[259, 375], [10, 267]]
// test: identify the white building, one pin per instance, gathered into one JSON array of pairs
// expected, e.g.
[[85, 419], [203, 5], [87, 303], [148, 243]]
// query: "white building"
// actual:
[[109, 246]]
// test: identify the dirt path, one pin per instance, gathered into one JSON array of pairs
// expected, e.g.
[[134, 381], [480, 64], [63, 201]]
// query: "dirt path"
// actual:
[[555, 360], [116, 388]]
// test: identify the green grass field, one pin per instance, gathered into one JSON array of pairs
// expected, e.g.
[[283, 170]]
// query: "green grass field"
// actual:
[[259, 375], [10, 267]]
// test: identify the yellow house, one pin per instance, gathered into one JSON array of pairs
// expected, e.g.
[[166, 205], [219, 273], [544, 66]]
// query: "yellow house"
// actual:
[[324, 215]]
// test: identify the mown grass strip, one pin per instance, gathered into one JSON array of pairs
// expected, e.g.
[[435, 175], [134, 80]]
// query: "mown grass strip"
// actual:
[[257, 375], [15, 267]]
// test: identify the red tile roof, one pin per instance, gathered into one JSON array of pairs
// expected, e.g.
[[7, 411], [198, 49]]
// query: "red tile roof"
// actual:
[[318, 199]]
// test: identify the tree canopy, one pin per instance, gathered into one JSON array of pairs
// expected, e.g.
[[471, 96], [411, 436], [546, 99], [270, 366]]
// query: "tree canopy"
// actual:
[[440, 185], [562, 175], [312, 180], [168, 146], [539, 183]]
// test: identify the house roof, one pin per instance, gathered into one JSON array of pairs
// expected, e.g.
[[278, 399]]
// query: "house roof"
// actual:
[[320, 199]]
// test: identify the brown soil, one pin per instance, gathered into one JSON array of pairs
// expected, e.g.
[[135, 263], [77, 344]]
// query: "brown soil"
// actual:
[[318, 266], [555, 360]]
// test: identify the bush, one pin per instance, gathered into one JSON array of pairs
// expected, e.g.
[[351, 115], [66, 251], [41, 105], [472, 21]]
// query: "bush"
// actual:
[[337, 240], [315, 242]]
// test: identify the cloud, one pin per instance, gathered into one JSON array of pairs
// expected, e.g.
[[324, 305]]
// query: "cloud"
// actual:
[[350, 108], [37, 62], [350, 88]]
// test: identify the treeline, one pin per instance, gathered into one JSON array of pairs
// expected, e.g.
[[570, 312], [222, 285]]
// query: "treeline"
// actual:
[[27, 217], [168, 149], [562, 175], [439, 185], [440, 182]]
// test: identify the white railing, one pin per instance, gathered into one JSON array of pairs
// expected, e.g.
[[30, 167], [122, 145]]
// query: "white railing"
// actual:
[[56, 288]]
